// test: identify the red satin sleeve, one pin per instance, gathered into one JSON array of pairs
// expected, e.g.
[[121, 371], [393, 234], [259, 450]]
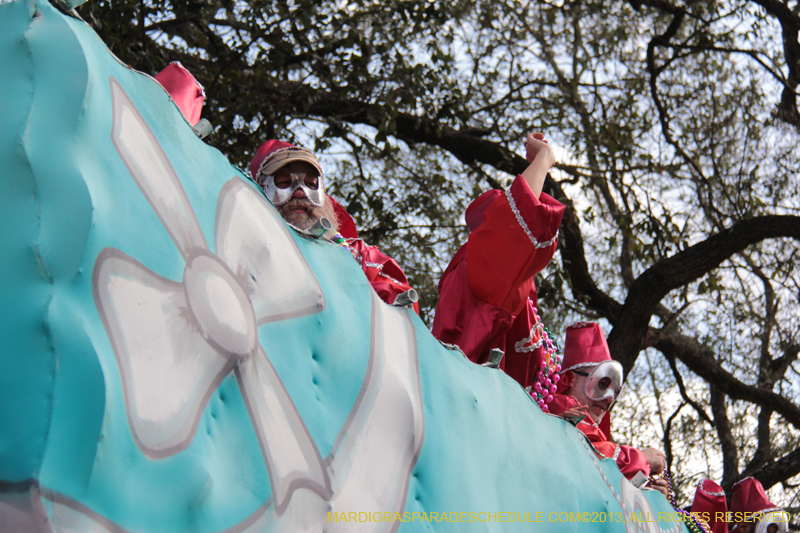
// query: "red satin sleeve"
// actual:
[[515, 241]]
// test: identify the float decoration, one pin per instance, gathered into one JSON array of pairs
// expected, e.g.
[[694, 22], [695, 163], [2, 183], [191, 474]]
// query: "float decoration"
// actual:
[[177, 360]]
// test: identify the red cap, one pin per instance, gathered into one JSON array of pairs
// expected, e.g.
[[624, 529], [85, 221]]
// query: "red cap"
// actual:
[[288, 153], [709, 499], [585, 345], [185, 91]]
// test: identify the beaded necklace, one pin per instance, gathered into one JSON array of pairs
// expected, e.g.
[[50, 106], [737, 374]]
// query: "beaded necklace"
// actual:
[[547, 377], [338, 239], [693, 524]]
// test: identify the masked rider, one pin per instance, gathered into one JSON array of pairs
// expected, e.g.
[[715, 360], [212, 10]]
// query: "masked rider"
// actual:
[[292, 180], [487, 296], [590, 383]]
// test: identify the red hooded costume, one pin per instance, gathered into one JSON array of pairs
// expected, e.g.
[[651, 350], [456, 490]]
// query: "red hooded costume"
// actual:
[[749, 504], [487, 298], [710, 506], [749, 497], [383, 272], [585, 347]]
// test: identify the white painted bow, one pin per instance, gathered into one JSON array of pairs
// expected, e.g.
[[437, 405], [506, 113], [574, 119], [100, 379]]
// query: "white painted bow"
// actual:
[[175, 342]]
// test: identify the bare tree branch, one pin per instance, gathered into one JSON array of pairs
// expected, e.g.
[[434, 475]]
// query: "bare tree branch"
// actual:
[[775, 472], [668, 437], [790, 25], [682, 388], [730, 453], [700, 360], [626, 339]]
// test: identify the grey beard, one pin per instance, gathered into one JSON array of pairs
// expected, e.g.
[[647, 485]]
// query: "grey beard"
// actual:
[[311, 214]]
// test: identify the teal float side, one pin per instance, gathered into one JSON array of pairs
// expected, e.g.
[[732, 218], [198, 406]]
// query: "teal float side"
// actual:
[[176, 359]]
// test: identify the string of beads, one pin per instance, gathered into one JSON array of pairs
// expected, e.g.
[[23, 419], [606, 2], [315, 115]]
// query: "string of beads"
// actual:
[[693, 523], [547, 377], [338, 239]]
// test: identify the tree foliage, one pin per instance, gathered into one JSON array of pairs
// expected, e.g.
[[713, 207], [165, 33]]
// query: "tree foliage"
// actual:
[[677, 125]]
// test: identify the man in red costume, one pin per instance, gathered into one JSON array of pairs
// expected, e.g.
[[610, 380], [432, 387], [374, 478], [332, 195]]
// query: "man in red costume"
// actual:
[[293, 181], [710, 506], [750, 512], [589, 384], [487, 298], [753, 512]]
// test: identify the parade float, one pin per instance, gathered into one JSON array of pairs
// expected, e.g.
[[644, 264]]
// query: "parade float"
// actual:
[[177, 359]]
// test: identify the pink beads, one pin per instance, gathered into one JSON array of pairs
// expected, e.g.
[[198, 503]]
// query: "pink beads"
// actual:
[[544, 385]]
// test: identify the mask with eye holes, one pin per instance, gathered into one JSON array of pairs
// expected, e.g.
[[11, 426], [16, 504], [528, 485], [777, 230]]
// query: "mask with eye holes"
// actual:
[[274, 155], [604, 381], [280, 195]]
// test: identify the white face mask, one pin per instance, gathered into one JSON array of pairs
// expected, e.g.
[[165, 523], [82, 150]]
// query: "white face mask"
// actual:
[[280, 195], [604, 382]]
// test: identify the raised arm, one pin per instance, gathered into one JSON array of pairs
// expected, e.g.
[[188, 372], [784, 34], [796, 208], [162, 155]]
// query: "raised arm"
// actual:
[[517, 235], [541, 158]]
